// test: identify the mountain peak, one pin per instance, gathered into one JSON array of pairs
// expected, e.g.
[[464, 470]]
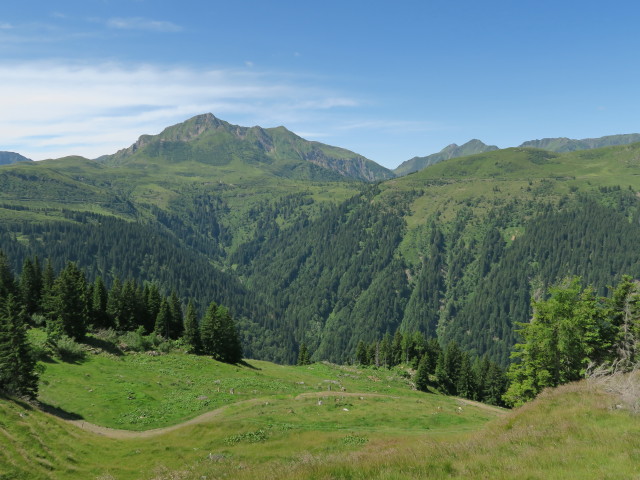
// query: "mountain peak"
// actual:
[[450, 151], [278, 151]]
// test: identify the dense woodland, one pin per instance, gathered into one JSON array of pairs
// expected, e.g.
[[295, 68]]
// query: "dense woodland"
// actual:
[[330, 276], [574, 333], [68, 307]]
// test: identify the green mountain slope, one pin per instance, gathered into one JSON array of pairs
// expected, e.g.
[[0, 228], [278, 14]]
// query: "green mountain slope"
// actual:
[[564, 144], [455, 250], [206, 139], [450, 151]]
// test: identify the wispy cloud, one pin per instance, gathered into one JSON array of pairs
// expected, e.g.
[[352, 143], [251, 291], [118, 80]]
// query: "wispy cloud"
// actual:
[[50, 110], [5, 26], [146, 24]]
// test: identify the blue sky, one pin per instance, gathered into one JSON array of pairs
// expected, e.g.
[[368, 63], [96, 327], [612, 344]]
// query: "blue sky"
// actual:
[[389, 80]]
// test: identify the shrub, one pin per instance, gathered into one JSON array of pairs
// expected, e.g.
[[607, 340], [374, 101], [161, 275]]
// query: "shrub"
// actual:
[[136, 341], [67, 349]]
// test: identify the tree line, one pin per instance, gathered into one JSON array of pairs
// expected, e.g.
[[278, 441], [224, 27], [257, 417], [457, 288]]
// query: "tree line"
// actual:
[[68, 306], [450, 370]]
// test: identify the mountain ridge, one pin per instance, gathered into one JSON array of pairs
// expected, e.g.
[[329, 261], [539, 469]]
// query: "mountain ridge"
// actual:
[[564, 144], [207, 139], [450, 151]]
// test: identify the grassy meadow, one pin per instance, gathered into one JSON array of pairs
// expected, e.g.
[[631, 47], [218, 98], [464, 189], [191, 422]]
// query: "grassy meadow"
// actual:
[[176, 416], [259, 413]]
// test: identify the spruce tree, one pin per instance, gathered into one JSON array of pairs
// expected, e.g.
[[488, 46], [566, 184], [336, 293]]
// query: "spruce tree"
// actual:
[[48, 278], [232, 348], [219, 336], [362, 356], [209, 330], [31, 286], [163, 320], [7, 281], [99, 299], [191, 329], [422, 375], [303, 355], [152, 301], [68, 306], [176, 327], [17, 366], [466, 385], [127, 319], [114, 302]]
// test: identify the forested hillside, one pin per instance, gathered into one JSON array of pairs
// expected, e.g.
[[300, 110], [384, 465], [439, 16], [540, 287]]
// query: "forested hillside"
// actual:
[[455, 251]]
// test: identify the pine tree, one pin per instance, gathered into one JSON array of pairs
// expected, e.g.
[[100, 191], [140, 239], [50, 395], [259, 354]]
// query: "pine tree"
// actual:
[[163, 320], [127, 318], [219, 336], [209, 331], [385, 351], [31, 286], [448, 368], [396, 348], [232, 348], [48, 278], [99, 299], [303, 355], [68, 306], [176, 327], [152, 301], [422, 375], [362, 356], [114, 302], [7, 281], [17, 366], [191, 329], [466, 385]]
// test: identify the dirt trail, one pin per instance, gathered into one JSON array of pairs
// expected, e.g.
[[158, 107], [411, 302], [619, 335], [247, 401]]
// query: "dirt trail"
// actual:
[[124, 434], [205, 417]]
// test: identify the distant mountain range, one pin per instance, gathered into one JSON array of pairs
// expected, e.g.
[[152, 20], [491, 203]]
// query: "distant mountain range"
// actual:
[[451, 151], [11, 157], [208, 140], [564, 144], [558, 145]]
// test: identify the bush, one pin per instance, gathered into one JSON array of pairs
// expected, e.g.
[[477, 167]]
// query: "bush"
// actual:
[[67, 349], [109, 335], [136, 341]]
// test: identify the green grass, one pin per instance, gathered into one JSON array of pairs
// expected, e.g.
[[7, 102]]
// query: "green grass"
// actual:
[[275, 414], [139, 391], [284, 422]]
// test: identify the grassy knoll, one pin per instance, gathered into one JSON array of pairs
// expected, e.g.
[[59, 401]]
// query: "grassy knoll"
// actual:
[[275, 416], [575, 431], [139, 391]]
